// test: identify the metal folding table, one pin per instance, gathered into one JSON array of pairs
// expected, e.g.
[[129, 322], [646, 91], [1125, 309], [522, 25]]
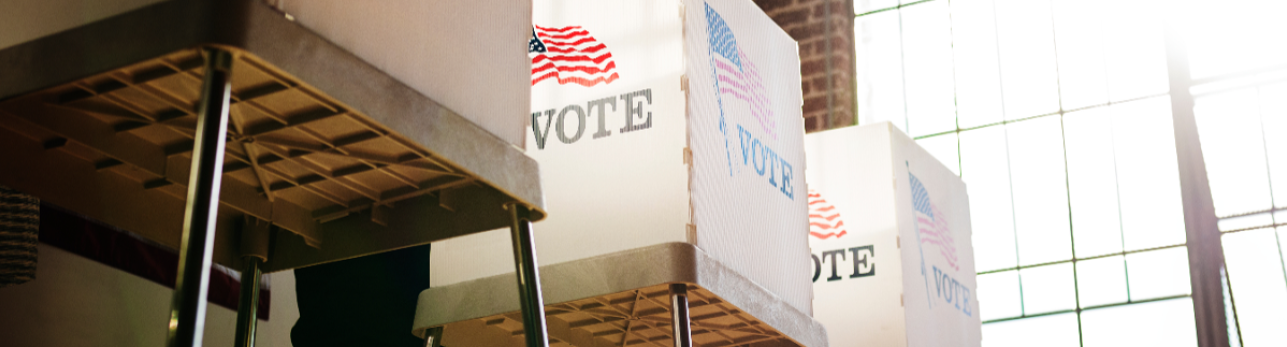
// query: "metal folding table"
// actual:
[[225, 130]]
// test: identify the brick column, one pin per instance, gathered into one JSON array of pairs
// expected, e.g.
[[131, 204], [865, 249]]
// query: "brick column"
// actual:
[[806, 21]]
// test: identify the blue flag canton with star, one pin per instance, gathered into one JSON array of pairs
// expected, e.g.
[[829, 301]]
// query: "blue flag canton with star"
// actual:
[[535, 45], [721, 37], [920, 197]]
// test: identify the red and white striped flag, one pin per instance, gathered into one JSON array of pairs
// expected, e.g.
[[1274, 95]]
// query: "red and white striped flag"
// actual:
[[824, 220], [736, 74], [931, 224], [570, 55]]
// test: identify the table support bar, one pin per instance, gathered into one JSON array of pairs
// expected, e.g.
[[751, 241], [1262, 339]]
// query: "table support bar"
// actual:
[[188, 308], [680, 319], [529, 280], [248, 304], [433, 337]]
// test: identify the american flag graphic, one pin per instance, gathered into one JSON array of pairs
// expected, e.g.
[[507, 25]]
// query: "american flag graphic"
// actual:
[[824, 220], [570, 55], [931, 224], [735, 74]]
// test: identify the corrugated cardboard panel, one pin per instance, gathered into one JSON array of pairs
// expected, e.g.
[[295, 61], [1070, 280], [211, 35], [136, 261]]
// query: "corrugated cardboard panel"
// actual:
[[853, 236], [746, 135], [459, 53], [608, 131], [615, 148], [903, 255], [26, 20], [455, 52], [940, 294]]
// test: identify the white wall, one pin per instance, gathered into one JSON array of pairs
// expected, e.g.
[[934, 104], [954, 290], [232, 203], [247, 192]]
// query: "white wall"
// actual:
[[75, 301]]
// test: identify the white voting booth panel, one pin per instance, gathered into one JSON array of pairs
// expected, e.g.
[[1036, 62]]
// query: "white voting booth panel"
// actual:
[[26, 20], [459, 53], [890, 238], [446, 50], [647, 133]]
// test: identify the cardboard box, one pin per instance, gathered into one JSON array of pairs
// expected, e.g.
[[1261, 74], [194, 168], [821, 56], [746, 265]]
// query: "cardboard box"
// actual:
[[890, 235], [647, 133]]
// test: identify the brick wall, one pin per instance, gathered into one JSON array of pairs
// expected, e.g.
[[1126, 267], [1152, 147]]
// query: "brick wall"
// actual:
[[805, 21]]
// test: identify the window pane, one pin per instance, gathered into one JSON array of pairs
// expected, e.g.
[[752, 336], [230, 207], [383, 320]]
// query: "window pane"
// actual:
[[1027, 50], [864, 6], [1163, 323], [1039, 190], [1160, 273], [1273, 113], [1101, 281], [1047, 288], [1235, 35], [1092, 182], [927, 59], [1230, 320], [974, 49], [878, 74], [1148, 180], [1282, 242], [1232, 146], [1050, 331], [985, 169], [943, 148], [1079, 33], [1134, 49], [1258, 284], [1246, 222], [999, 295]]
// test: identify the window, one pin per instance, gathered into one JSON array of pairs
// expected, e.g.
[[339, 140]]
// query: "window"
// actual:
[[1057, 115], [1246, 156]]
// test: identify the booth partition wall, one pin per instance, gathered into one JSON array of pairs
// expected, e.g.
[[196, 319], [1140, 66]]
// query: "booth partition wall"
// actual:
[[1062, 116]]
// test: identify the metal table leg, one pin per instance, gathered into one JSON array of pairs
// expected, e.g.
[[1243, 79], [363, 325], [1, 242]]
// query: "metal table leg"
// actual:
[[433, 337], [529, 280], [254, 235], [188, 310], [679, 315], [248, 305]]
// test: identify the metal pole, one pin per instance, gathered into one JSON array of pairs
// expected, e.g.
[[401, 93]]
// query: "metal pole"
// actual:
[[433, 337], [188, 309], [1206, 254], [679, 315], [248, 305], [529, 280]]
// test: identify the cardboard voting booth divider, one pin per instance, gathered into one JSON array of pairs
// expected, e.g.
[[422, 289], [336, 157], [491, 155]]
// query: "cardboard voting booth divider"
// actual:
[[457, 53], [352, 128], [658, 123], [635, 160], [27, 20], [890, 238]]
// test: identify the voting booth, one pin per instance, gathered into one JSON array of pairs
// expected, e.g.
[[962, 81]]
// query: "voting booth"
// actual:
[[889, 230], [670, 133], [272, 135]]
